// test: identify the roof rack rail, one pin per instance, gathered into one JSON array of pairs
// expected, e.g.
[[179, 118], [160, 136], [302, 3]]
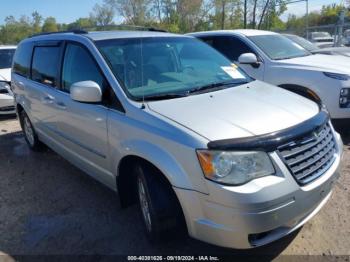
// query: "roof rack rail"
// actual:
[[124, 27], [75, 31]]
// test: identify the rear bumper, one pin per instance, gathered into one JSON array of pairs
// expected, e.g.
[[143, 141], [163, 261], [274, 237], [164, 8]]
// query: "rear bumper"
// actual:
[[258, 212]]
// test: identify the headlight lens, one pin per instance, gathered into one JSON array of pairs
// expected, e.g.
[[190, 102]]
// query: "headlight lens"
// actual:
[[234, 168], [337, 76], [4, 87]]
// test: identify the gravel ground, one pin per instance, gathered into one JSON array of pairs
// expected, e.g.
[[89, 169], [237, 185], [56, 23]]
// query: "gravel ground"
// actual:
[[49, 207]]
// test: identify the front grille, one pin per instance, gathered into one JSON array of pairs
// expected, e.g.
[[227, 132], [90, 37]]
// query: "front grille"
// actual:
[[7, 108], [4, 91], [310, 157]]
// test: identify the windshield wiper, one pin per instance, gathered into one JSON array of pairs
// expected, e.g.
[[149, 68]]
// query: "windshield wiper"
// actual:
[[215, 86], [189, 92], [164, 96]]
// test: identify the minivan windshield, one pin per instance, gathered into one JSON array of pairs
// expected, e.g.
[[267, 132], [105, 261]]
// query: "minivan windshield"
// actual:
[[279, 47], [6, 56], [168, 67]]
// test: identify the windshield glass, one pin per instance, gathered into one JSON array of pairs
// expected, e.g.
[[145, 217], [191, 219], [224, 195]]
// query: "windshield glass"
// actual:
[[303, 42], [160, 66], [6, 56], [278, 47]]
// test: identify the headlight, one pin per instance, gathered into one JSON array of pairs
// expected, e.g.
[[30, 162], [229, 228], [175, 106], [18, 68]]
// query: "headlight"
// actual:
[[234, 168], [4, 87], [337, 76], [344, 98]]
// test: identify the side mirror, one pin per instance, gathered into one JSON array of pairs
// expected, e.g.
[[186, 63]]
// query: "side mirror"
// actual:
[[86, 92], [248, 58]]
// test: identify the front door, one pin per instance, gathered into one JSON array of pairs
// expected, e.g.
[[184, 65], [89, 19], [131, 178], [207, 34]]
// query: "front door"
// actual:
[[83, 126]]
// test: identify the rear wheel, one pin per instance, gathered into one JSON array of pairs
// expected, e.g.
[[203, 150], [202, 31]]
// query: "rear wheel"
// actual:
[[29, 132], [160, 210]]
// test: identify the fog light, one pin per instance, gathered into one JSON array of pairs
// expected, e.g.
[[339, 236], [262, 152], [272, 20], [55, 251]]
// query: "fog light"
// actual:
[[344, 98], [344, 92]]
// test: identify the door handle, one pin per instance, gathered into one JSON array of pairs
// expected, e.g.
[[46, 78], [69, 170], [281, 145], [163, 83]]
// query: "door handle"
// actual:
[[48, 99], [61, 105]]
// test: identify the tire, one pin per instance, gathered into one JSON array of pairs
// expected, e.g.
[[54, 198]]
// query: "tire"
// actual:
[[29, 133], [158, 205]]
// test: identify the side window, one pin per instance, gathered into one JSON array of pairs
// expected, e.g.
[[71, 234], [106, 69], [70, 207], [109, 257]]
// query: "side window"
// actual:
[[208, 41], [23, 55], [45, 66], [79, 66], [231, 47]]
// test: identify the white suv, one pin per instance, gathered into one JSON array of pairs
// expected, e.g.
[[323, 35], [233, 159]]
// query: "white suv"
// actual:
[[275, 59]]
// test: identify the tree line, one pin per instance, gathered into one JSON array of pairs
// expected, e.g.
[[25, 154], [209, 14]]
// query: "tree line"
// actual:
[[178, 16]]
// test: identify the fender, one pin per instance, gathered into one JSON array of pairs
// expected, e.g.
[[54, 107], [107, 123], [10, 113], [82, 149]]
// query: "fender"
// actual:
[[303, 91], [160, 158]]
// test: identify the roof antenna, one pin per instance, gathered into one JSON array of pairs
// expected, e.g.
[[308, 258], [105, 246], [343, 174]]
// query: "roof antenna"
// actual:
[[143, 106]]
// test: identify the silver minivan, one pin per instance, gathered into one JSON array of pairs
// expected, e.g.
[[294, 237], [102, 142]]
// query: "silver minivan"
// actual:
[[172, 125]]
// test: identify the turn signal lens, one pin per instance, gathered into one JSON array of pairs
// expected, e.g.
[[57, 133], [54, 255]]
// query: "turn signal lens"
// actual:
[[206, 160]]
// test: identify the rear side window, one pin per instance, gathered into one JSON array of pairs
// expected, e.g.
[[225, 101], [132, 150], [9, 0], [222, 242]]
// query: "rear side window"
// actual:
[[45, 67], [23, 55], [231, 47], [6, 56]]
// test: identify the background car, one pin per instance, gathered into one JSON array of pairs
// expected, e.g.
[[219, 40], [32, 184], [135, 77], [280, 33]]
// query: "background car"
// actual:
[[6, 96], [275, 59], [346, 37], [322, 39], [311, 47]]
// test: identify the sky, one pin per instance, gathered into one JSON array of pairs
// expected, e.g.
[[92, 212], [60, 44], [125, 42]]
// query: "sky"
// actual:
[[67, 11]]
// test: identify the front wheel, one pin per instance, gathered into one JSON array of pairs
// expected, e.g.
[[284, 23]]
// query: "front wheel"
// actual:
[[158, 204]]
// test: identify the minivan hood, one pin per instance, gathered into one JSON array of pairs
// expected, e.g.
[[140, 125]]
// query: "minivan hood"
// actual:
[[252, 109], [319, 62], [5, 74]]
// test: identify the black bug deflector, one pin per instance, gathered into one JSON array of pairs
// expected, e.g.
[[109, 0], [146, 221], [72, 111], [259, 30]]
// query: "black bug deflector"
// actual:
[[270, 142]]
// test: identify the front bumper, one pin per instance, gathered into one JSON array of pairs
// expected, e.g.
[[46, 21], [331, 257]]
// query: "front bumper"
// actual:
[[7, 104], [340, 113], [258, 212]]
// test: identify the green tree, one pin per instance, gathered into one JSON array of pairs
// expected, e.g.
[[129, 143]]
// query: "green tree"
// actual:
[[36, 21], [103, 15], [328, 15], [13, 31], [50, 25], [82, 23]]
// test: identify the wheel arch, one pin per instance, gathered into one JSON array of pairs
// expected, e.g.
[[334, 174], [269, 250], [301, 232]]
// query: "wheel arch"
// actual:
[[19, 108], [126, 179], [303, 91]]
